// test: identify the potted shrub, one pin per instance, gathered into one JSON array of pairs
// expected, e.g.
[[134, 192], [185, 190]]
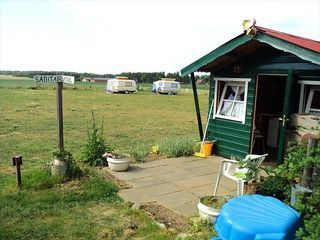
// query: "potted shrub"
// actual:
[[117, 161], [60, 162], [210, 206], [249, 172]]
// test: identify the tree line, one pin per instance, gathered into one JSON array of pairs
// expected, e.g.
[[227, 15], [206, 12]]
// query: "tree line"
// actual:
[[141, 77]]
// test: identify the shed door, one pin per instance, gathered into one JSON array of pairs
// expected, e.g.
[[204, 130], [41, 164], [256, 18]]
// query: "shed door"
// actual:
[[285, 118], [271, 107]]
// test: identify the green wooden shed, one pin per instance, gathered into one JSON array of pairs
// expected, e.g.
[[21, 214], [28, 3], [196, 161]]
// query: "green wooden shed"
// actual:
[[257, 81]]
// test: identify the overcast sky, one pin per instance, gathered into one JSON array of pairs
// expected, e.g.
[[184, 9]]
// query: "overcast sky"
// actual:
[[121, 36]]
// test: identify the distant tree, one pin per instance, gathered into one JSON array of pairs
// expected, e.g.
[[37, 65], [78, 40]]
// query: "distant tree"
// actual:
[[142, 77]]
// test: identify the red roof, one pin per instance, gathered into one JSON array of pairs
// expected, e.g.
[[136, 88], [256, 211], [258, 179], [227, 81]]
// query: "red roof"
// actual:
[[300, 41]]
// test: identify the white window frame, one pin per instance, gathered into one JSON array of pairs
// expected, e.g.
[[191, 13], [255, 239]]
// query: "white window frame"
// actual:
[[216, 109], [307, 100]]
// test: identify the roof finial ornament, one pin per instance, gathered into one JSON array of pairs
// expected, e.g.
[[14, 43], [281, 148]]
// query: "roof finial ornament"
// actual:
[[249, 27]]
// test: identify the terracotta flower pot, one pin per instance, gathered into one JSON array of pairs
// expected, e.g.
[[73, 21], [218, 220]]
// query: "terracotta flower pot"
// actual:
[[250, 188]]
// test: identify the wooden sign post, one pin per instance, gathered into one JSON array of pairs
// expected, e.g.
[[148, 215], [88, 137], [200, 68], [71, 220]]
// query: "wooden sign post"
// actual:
[[59, 79], [17, 161], [60, 116]]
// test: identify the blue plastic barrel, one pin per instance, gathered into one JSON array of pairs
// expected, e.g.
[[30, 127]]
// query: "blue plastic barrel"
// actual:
[[256, 217]]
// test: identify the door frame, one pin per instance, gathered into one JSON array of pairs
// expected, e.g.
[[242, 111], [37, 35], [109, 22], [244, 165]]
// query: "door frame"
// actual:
[[286, 112]]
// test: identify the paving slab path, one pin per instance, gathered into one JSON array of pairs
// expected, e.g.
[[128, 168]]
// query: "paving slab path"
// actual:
[[175, 183]]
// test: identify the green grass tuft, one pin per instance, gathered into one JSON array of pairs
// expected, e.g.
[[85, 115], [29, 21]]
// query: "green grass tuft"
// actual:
[[39, 179], [138, 152], [177, 147], [97, 188]]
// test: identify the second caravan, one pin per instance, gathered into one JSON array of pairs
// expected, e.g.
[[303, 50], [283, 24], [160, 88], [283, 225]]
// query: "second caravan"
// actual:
[[166, 86]]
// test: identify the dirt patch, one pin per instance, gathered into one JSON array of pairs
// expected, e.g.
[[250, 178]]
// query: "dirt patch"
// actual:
[[120, 183], [168, 217], [153, 157], [73, 186]]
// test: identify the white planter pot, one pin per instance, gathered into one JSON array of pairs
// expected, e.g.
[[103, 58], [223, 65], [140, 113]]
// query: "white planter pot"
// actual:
[[58, 168], [208, 213], [118, 165]]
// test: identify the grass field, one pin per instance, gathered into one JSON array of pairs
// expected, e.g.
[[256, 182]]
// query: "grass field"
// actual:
[[28, 118], [44, 210]]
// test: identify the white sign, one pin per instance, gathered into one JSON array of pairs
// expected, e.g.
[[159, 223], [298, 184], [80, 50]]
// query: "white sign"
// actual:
[[53, 79]]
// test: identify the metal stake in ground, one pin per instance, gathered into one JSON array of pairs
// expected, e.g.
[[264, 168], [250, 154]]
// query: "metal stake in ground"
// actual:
[[17, 161], [60, 115]]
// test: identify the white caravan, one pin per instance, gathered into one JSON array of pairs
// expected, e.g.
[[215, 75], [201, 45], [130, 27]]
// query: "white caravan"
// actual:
[[166, 86], [121, 84]]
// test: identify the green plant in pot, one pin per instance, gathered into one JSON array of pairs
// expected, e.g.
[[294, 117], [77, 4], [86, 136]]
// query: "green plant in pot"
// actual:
[[115, 154], [210, 206], [64, 164], [249, 171]]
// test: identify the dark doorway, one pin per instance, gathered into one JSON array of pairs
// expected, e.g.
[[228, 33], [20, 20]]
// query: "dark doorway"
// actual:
[[269, 103]]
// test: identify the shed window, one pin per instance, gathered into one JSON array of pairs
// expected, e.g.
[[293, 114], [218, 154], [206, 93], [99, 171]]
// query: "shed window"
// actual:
[[310, 97], [230, 98], [313, 101]]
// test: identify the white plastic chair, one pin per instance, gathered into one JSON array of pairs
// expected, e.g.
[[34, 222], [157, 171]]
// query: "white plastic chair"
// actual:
[[229, 168]]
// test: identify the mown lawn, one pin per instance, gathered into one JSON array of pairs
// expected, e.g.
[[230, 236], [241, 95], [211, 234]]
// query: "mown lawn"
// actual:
[[28, 119], [88, 208], [81, 209]]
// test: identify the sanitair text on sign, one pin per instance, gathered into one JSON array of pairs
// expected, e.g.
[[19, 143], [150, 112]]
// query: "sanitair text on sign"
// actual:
[[53, 79]]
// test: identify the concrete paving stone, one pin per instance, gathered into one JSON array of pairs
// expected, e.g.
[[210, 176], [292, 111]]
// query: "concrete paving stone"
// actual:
[[188, 209], [160, 189], [192, 165], [177, 198], [172, 176], [152, 164], [227, 188], [212, 161], [134, 195], [225, 191], [165, 162], [204, 190], [215, 160], [146, 181], [162, 169], [136, 172], [203, 170], [225, 182], [207, 190], [194, 181], [211, 177], [190, 161], [175, 183], [127, 175], [159, 169], [178, 160]]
